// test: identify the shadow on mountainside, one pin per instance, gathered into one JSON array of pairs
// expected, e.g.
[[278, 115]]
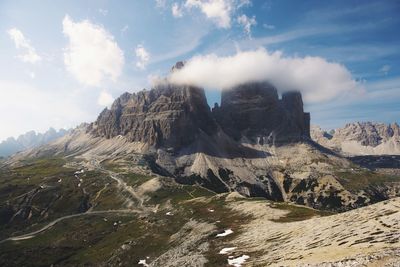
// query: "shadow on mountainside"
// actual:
[[222, 146]]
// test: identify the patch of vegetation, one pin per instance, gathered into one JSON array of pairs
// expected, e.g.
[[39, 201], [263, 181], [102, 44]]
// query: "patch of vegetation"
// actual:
[[362, 179], [41, 190], [176, 193], [135, 179], [297, 213]]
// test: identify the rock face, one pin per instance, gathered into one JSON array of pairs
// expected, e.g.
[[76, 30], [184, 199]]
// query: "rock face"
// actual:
[[361, 138], [254, 111], [368, 133], [173, 117], [166, 116]]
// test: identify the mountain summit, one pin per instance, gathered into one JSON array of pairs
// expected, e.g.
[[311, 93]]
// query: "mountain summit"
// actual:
[[173, 117]]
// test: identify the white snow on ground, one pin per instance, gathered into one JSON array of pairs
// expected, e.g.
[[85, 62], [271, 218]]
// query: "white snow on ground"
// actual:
[[143, 262], [237, 262], [225, 233], [79, 172], [210, 210], [169, 213], [226, 250]]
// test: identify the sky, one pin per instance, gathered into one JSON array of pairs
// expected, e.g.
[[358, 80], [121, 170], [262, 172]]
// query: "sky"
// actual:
[[63, 62]]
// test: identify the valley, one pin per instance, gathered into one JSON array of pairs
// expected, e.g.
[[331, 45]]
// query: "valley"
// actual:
[[116, 217]]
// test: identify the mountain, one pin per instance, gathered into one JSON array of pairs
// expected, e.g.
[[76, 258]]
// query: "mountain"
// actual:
[[160, 179], [28, 140], [174, 117], [361, 138], [254, 143]]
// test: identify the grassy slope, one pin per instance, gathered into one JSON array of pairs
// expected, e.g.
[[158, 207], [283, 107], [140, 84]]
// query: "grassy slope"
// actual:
[[94, 240], [362, 179]]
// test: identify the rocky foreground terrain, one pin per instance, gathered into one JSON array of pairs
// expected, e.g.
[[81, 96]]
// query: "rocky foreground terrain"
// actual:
[[160, 179], [361, 138]]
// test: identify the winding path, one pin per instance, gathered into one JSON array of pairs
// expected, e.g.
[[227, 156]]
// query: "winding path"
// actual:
[[49, 225]]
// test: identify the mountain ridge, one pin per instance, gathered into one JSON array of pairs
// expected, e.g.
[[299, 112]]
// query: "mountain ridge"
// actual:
[[361, 138], [28, 140]]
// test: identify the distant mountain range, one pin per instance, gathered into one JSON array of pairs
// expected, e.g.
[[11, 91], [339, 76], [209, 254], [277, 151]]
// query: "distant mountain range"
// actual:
[[29, 140], [360, 138]]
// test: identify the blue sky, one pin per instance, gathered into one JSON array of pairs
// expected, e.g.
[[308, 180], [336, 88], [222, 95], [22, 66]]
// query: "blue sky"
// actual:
[[62, 62]]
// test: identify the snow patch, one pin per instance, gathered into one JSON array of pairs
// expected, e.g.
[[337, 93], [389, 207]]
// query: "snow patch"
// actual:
[[226, 250], [237, 262], [169, 213], [79, 172], [143, 262], [225, 233]]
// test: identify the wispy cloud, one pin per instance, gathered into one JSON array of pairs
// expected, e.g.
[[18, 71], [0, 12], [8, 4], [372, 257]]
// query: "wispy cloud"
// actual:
[[304, 32], [28, 52], [177, 10], [247, 23], [142, 56], [269, 26]]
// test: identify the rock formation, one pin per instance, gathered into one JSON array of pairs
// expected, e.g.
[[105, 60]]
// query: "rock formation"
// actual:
[[173, 117], [254, 111], [166, 116], [361, 138]]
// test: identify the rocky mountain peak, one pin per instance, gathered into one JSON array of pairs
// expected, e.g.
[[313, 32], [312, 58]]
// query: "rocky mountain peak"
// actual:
[[173, 116], [361, 138], [254, 111], [167, 116]]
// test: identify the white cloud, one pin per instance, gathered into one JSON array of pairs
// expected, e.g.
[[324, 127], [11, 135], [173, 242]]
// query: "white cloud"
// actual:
[[247, 23], [143, 57], [105, 99], [28, 53], [385, 69], [177, 11], [317, 79], [92, 53], [269, 26], [218, 11]]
